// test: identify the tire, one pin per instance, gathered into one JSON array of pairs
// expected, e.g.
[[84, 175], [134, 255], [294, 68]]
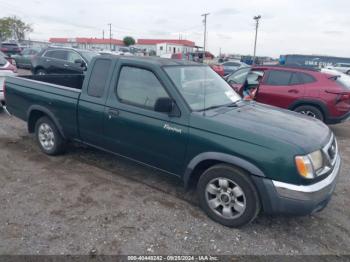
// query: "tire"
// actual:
[[48, 137], [348, 73], [40, 72], [311, 111], [233, 203]]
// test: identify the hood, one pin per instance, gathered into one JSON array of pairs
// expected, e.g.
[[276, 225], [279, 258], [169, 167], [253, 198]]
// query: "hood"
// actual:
[[264, 125]]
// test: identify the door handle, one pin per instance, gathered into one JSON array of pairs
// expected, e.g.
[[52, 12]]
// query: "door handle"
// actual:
[[66, 65], [47, 60], [112, 113], [293, 91]]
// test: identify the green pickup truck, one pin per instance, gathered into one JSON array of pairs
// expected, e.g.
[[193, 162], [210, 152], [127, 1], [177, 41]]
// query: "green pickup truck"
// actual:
[[182, 118]]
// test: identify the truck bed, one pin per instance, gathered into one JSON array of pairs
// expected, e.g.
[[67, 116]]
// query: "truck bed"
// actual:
[[74, 81], [24, 94]]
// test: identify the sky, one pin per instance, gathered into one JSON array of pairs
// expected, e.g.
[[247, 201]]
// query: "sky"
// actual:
[[287, 26]]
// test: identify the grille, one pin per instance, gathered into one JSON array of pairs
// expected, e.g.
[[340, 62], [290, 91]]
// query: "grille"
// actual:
[[330, 154]]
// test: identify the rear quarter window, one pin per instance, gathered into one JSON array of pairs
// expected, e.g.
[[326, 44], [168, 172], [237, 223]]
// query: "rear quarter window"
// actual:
[[299, 78], [98, 78]]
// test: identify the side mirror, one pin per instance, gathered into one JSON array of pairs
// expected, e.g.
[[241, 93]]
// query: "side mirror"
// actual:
[[80, 62], [164, 105]]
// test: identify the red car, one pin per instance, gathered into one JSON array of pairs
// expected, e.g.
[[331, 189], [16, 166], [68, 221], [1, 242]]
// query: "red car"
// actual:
[[304, 90]]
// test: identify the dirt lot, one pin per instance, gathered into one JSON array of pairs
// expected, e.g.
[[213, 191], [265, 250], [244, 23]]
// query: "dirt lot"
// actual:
[[89, 200]]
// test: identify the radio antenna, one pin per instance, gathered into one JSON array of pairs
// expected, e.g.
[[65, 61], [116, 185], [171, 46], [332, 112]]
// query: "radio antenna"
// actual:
[[203, 57]]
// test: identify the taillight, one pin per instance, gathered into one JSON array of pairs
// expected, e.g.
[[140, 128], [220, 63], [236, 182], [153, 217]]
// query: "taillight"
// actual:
[[343, 98]]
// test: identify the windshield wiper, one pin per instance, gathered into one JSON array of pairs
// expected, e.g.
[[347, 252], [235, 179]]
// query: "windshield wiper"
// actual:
[[233, 104], [211, 107]]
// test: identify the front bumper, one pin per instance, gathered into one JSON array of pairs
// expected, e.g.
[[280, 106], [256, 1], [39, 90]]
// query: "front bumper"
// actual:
[[288, 199]]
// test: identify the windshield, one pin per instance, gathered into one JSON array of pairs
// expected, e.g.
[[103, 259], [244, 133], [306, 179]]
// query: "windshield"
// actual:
[[88, 55], [201, 87]]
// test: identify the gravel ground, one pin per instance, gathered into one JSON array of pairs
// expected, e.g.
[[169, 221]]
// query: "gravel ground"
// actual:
[[87, 201]]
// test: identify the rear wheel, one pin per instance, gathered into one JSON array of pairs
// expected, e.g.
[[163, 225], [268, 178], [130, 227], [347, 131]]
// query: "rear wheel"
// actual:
[[48, 137], [310, 111], [348, 73], [228, 196], [40, 72]]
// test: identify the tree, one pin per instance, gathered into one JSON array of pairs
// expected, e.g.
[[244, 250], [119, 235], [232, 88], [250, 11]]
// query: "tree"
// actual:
[[13, 27], [128, 40]]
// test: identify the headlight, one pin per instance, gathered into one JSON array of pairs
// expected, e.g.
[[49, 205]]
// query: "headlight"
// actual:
[[308, 165]]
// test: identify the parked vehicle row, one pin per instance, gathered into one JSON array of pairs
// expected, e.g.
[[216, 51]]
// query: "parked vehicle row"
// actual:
[[304, 90], [182, 118]]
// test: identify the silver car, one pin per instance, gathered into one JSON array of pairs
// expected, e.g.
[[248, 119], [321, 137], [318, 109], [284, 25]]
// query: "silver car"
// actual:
[[341, 67]]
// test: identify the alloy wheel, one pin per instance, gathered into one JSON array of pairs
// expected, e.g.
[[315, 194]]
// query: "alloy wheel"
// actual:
[[225, 198]]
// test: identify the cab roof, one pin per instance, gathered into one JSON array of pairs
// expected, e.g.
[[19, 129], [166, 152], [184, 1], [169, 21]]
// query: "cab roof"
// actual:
[[152, 60]]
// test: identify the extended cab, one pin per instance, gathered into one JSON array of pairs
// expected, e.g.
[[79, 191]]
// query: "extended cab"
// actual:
[[184, 119]]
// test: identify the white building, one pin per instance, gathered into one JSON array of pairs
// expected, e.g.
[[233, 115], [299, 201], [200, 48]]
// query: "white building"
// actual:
[[165, 46]]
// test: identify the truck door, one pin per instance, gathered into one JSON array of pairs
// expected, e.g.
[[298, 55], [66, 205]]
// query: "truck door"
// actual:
[[91, 107], [135, 130]]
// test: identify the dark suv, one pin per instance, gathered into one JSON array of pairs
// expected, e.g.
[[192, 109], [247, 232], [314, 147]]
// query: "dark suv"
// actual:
[[304, 90], [61, 60]]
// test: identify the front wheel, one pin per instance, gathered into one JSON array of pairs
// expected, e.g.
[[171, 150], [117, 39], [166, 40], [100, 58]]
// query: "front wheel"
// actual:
[[40, 72], [310, 111], [48, 137], [228, 196]]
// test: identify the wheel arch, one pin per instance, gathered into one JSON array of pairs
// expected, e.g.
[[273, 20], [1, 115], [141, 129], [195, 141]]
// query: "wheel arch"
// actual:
[[309, 102], [38, 68], [205, 160], [35, 112]]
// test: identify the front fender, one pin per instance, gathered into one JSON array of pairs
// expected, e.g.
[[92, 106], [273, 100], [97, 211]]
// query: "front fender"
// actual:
[[226, 158]]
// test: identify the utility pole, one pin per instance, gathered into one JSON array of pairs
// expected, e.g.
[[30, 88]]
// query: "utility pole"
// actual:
[[103, 34], [257, 19], [110, 37], [205, 33]]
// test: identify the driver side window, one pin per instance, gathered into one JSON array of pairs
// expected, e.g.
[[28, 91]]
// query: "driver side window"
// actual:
[[72, 56], [139, 87]]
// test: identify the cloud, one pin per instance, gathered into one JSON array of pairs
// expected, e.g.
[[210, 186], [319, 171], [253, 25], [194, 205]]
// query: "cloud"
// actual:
[[158, 32], [333, 32], [227, 11], [161, 21]]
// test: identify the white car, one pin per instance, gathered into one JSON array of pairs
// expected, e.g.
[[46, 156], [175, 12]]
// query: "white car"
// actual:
[[341, 67], [3, 75], [344, 79]]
